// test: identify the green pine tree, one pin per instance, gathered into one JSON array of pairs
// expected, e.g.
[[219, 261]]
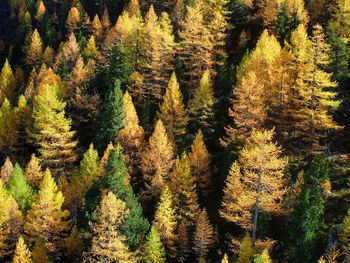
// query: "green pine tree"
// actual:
[[153, 251]]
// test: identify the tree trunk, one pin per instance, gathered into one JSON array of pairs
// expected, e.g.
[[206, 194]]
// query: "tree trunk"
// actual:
[[256, 211]]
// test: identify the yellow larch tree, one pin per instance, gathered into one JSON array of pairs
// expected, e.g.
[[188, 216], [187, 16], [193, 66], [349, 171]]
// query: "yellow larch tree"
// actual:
[[34, 172], [200, 166], [40, 10], [7, 83], [40, 253], [22, 253], [256, 182], [91, 50], [73, 19], [157, 159], [97, 29], [46, 218], [34, 50], [108, 245], [172, 112], [6, 170]]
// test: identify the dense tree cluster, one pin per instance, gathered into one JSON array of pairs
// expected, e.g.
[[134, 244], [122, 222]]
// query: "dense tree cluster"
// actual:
[[174, 131]]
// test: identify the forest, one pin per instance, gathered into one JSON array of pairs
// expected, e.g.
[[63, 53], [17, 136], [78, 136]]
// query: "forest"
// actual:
[[153, 131]]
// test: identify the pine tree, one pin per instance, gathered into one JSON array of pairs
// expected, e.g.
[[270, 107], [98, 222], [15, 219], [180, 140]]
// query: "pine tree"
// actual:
[[308, 211], [157, 159], [6, 170], [165, 220], [246, 251], [7, 83], [107, 243], [34, 50], [201, 106], [46, 218], [11, 222], [173, 113], [153, 250], [39, 253], [183, 187], [22, 253], [19, 189], [34, 172], [200, 165], [116, 179], [51, 131], [256, 182], [111, 118], [131, 137], [203, 236]]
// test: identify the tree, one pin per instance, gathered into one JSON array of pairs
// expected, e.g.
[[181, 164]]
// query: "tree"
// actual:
[[345, 233], [96, 25], [6, 170], [256, 182], [264, 257], [91, 50], [111, 119], [246, 251], [34, 172], [7, 83], [46, 218], [131, 137], [153, 250], [225, 259], [8, 125], [19, 189], [173, 113], [183, 187], [51, 130], [22, 253], [307, 215], [116, 179], [39, 253], [11, 222], [165, 220], [107, 243], [157, 159], [203, 236], [313, 99], [201, 106], [34, 50], [200, 165], [196, 47], [40, 10], [73, 19]]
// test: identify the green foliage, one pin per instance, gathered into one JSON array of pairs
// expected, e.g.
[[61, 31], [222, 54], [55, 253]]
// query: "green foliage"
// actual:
[[307, 219], [19, 188], [116, 179], [111, 119]]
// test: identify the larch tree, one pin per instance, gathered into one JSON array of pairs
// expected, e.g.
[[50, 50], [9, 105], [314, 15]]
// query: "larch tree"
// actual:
[[91, 50], [73, 19], [22, 253], [51, 131], [33, 172], [200, 165], [46, 218], [6, 170], [19, 189], [264, 257], [40, 10], [112, 116], [96, 25], [203, 236], [8, 125], [173, 113], [157, 159], [201, 105], [314, 99], [11, 222], [7, 83], [40, 253], [153, 251], [246, 250], [108, 244], [256, 182], [34, 50], [165, 220], [183, 187], [196, 47], [225, 259], [131, 138]]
